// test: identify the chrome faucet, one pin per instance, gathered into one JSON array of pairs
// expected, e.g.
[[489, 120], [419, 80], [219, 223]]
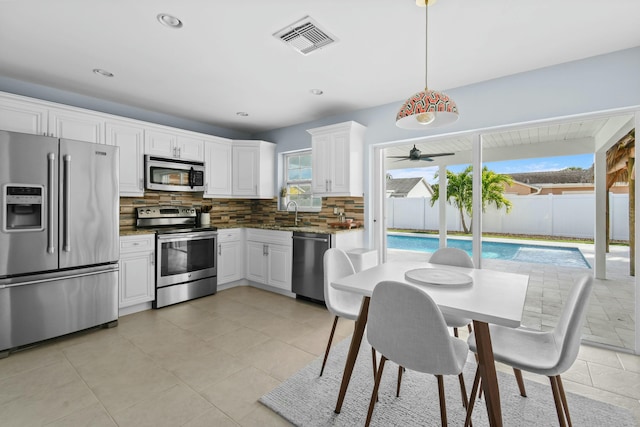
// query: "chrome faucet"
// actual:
[[295, 205]]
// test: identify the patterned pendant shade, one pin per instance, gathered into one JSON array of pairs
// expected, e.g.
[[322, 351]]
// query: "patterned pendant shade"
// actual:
[[428, 108]]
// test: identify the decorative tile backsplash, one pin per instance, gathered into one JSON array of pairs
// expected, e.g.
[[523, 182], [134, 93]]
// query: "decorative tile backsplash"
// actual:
[[243, 211]]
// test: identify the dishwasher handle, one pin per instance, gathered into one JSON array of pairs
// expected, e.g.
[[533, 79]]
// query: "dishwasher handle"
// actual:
[[316, 239]]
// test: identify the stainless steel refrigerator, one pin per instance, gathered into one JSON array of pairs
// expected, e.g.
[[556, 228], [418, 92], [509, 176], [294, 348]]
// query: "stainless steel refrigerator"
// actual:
[[59, 250]]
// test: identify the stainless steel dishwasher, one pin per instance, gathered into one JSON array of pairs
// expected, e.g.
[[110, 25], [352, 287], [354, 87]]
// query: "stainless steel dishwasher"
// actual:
[[307, 277]]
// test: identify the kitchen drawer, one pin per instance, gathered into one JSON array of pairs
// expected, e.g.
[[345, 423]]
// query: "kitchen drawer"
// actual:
[[229, 235], [137, 243], [274, 237]]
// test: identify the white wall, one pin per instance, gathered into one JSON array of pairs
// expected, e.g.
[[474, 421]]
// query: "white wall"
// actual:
[[566, 215]]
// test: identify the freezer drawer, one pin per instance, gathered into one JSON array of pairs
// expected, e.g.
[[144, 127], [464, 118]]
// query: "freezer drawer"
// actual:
[[47, 307]]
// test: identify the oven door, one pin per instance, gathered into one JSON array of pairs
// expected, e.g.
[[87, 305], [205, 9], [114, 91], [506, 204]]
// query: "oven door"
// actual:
[[184, 257]]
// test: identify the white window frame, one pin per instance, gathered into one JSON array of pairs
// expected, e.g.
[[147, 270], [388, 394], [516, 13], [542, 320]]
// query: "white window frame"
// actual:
[[286, 182]]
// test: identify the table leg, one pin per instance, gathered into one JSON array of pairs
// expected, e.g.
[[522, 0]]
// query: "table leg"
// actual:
[[358, 332], [487, 369]]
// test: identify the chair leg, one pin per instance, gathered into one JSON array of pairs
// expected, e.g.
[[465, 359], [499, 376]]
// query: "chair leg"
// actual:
[[474, 391], [455, 332], [463, 391], [400, 371], [563, 397], [374, 394], [443, 403], [557, 401], [520, 381], [373, 356], [326, 353], [469, 328]]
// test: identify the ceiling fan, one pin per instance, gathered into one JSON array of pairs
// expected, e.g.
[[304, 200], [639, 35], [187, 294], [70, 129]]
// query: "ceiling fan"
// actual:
[[415, 154]]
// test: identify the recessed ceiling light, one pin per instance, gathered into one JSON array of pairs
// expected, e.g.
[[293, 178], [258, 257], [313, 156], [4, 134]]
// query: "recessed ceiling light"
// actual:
[[102, 72], [242, 114], [169, 20], [316, 91]]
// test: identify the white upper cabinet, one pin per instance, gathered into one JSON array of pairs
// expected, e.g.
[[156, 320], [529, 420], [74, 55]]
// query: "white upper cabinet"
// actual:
[[22, 116], [253, 169], [337, 152], [130, 138], [218, 155], [19, 115], [175, 145], [75, 125]]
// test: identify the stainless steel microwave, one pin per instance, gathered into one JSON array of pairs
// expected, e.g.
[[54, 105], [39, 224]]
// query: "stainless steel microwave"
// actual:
[[164, 174]]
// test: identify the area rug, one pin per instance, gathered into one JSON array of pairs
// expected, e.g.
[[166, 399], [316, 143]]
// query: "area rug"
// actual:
[[308, 400]]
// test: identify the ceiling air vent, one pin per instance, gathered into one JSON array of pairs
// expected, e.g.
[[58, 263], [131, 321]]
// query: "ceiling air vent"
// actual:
[[305, 36]]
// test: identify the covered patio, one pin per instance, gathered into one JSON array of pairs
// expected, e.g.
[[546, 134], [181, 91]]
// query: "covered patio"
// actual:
[[612, 313]]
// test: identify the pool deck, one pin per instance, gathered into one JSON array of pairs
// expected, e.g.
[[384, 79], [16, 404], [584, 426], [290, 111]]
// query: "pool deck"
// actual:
[[611, 315]]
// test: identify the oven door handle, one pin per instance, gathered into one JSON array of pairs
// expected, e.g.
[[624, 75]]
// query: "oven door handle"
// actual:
[[187, 236]]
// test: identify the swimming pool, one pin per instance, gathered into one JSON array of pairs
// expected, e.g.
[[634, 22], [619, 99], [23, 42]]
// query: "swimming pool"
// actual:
[[538, 254]]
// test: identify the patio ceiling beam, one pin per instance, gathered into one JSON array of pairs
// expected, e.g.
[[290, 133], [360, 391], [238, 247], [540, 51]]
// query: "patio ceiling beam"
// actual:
[[612, 132]]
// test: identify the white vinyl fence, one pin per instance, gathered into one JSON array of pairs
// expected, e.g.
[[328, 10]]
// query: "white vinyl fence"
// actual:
[[566, 215]]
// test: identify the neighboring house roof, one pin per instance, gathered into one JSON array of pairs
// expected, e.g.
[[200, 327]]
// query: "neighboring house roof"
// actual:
[[401, 187], [564, 176]]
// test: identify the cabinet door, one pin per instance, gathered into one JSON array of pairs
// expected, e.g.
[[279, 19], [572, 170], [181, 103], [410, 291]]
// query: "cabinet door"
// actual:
[[136, 278], [190, 148], [78, 126], [158, 143], [246, 170], [280, 266], [230, 262], [25, 117], [321, 159], [257, 262], [218, 159], [339, 170], [130, 139]]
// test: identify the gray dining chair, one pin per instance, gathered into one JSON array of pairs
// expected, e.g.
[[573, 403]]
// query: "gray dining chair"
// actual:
[[406, 326], [548, 353], [457, 258], [339, 303]]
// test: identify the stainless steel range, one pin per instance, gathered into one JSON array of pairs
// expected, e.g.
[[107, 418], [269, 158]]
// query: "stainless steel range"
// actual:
[[186, 262]]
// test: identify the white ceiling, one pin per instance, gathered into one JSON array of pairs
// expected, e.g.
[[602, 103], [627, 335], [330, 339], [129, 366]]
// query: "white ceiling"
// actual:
[[225, 60]]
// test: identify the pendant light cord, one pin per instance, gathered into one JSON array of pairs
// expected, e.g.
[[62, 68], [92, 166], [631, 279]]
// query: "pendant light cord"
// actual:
[[426, 44]]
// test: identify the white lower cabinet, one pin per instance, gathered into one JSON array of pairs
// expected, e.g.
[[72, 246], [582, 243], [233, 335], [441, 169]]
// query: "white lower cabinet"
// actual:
[[137, 264], [269, 257], [230, 255]]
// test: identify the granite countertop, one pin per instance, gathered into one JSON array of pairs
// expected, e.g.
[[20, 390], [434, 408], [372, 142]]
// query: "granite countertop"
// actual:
[[132, 230]]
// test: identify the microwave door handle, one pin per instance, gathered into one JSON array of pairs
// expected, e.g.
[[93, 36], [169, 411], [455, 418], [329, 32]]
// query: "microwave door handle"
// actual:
[[51, 158], [67, 201], [192, 177]]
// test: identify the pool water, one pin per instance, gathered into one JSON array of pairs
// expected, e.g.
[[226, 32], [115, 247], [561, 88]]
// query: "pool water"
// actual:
[[538, 254]]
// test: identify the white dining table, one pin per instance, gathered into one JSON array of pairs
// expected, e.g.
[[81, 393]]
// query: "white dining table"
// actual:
[[492, 297]]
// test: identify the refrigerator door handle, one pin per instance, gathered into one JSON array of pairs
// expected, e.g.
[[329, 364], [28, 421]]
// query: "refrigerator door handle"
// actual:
[[51, 157], [67, 201]]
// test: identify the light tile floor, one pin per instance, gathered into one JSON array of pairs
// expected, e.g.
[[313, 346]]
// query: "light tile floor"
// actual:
[[206, 362]]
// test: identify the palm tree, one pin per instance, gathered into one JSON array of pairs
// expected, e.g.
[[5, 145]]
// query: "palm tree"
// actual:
[[460, 192]]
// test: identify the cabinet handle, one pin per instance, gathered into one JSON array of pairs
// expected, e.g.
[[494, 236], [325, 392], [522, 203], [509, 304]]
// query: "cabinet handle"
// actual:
[[141, 184], [220, 249], [179, 152], [330, 185], [152, 258]]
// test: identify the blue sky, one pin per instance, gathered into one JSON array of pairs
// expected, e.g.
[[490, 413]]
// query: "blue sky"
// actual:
[[512, 166]]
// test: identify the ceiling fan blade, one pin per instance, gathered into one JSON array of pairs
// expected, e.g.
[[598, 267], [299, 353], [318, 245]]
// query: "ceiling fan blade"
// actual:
[[422, 156], [397, 157]]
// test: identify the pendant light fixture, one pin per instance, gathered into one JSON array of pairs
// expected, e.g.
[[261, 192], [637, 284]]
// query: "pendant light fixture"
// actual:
[[428, 108]]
